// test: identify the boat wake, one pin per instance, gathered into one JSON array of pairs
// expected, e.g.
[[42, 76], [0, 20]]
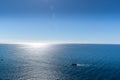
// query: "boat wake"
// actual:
[[81, 65]]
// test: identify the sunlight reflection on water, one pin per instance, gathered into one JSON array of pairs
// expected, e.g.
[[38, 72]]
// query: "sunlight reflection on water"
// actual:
[[24, 62]]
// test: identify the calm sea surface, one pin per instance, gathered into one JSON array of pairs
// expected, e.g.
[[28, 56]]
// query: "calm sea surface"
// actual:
[[53, 62]]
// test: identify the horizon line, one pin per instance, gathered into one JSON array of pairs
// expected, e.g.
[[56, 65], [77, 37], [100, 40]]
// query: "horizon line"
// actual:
[[58, 43]]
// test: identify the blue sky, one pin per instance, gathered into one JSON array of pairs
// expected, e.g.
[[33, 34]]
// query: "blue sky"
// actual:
[[83, 21]]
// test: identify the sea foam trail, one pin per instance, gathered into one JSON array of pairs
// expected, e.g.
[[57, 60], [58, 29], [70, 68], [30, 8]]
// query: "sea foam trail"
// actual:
[[83, 65]]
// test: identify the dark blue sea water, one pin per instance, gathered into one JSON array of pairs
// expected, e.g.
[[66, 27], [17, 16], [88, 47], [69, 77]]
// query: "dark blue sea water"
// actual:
[[95, 62]]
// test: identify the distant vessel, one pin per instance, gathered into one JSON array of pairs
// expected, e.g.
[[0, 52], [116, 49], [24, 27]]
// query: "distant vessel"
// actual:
[[74, 64]]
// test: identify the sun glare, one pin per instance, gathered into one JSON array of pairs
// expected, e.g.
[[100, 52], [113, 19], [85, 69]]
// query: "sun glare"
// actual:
[[37, 45]]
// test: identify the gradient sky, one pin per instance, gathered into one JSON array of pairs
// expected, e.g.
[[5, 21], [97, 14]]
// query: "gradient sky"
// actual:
[[84, 21]]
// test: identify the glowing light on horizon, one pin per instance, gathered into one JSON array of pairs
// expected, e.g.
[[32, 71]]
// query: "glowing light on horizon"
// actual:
[[37, 45]]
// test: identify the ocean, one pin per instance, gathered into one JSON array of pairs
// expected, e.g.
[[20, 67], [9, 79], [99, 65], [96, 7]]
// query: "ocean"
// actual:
[[54, 62]]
